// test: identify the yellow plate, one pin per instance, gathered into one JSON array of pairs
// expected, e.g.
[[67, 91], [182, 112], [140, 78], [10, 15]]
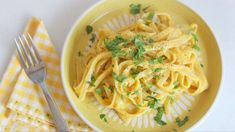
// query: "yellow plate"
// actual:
[[104, 13]]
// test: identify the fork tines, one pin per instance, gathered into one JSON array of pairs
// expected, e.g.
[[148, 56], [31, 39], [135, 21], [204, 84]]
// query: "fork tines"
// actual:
[[27, 51]]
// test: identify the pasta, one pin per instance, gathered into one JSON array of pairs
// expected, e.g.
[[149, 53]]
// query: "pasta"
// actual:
[[143, 66]]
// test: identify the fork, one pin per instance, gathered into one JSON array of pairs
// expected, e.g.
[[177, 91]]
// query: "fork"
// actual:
[[35, 69]]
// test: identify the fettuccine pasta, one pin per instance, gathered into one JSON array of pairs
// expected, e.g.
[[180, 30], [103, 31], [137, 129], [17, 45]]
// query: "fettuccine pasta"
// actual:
[[143, 66]]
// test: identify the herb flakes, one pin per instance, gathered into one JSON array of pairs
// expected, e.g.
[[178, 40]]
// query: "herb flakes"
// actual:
[[135, 9], [158, 117], [89, 29], [154, 103], [180, 122], [103, 117], [175, 84], [119, 78]]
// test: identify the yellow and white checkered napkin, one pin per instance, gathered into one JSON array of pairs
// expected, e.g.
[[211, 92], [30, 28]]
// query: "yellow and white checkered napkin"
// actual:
[[22, 104]]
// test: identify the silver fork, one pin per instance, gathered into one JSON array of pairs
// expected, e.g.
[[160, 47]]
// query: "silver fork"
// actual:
[[35, 69]]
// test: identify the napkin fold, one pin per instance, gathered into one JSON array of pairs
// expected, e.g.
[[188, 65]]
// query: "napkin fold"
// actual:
[[22, 103]]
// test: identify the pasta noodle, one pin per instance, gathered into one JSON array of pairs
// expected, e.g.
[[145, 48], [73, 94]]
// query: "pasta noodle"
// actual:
[[143, 66]]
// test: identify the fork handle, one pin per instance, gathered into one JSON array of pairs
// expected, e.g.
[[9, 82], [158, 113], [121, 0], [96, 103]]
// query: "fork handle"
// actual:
[[58, 119]]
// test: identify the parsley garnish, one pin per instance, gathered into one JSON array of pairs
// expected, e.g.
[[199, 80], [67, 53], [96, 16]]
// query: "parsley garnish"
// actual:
[[202, 65], [156, 77], [93, 37], [176, 83], [119, 78], [156, 60], [154, 103], [128, 93], [157, 70], [139, 44], [103, 117], [112, 45], [111, 88], [150, 15], [135, 8], [93, 77], [99, 91], [89, 29], [158, 117], [92, 81], [196, 47], [195, 37], [134, 73], [79, 53], [180, 122]]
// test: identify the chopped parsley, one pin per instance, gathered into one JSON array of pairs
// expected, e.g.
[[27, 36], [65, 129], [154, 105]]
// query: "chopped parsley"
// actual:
[[156, 60], [111, 88], [92, 81], [158, 117], [89, 29], [157, 77], [134, 73], [154, 103], [119, 78], [175, 84], [196, 47], [150, 15], [202, 65], [180, 122], [195, 37], [157, 70], [135, 9], [139, 44], [93, 77], [93, 37], [79, 53], [112, 45], [128, 93], [99, 91], [103, 117]]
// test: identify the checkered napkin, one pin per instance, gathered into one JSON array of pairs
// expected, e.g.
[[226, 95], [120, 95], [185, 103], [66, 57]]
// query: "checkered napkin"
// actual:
[[22, 103]]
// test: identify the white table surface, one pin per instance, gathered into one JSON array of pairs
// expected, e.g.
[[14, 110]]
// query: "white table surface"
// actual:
[[59, 15]]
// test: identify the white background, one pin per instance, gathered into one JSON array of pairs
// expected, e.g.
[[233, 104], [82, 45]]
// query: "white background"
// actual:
[[59, 15]]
